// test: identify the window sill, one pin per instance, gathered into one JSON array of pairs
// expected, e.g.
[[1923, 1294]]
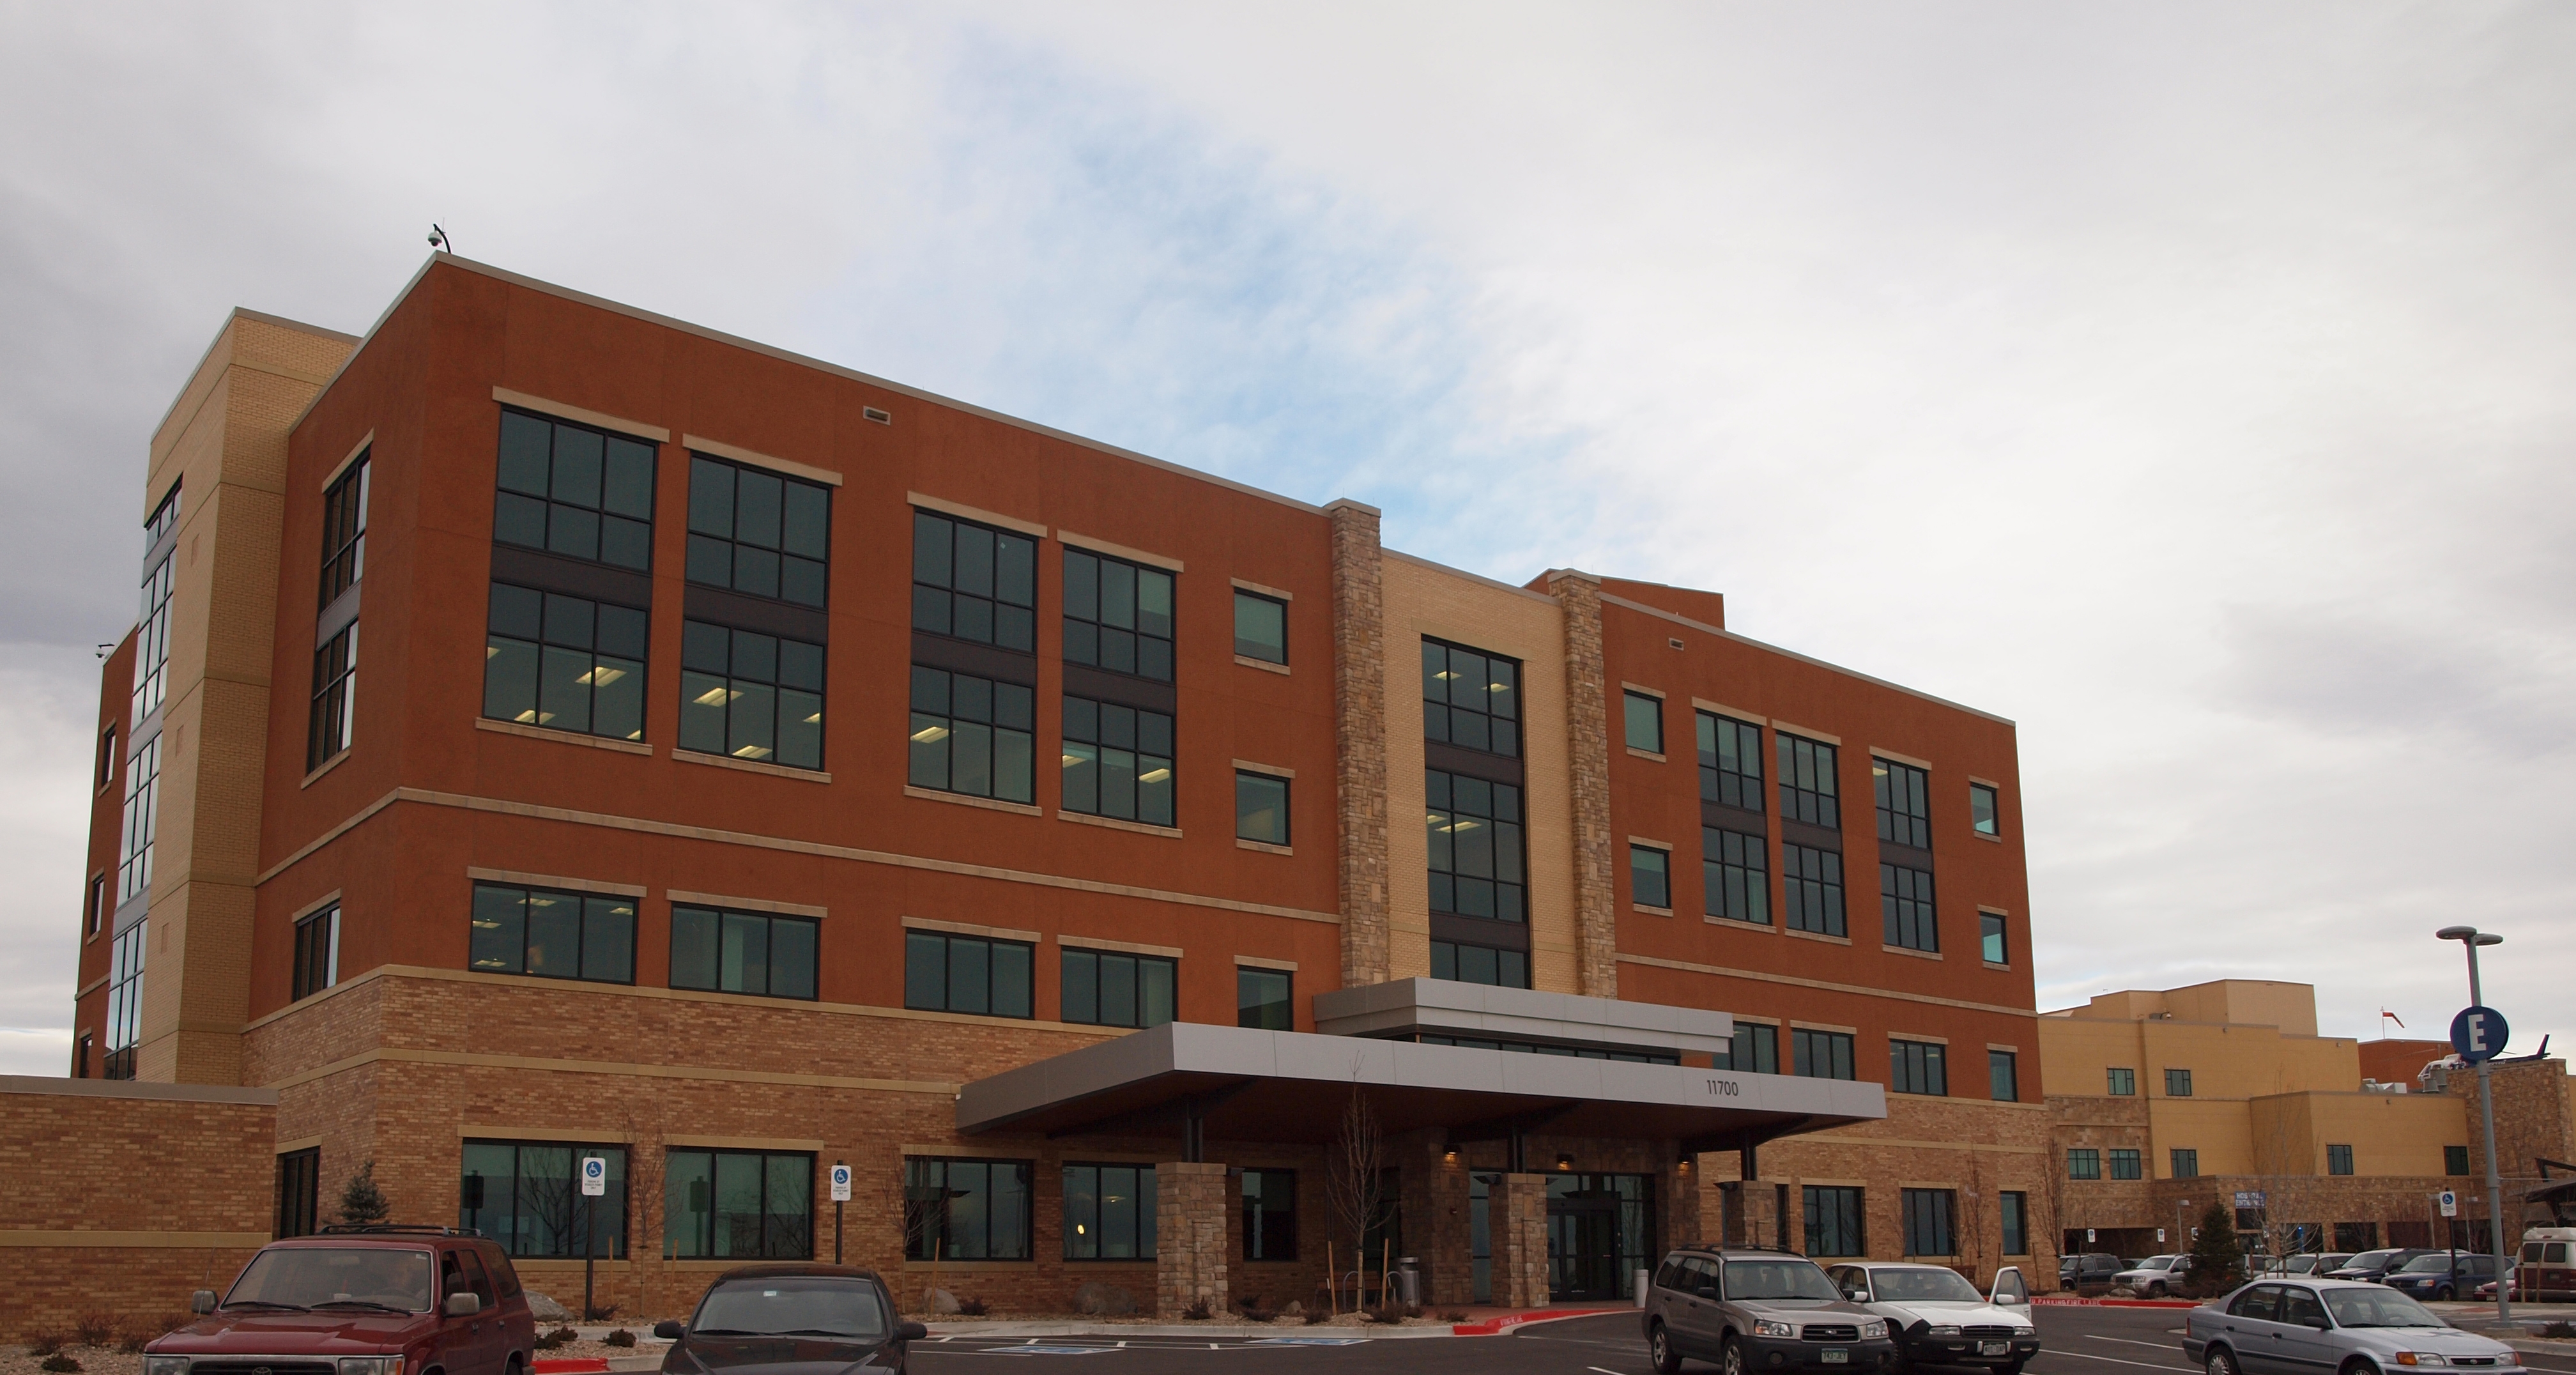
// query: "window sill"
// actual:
[[1910, 951], [1650, 910], [1983, 836], [1113, 823], [332, 763], [562, 737], [1731, 923], [994, 804], [1646, 754], [1990, 964], [1815, 936], [750, 766], [962, 1267], [1263, 664], [1263, 846]]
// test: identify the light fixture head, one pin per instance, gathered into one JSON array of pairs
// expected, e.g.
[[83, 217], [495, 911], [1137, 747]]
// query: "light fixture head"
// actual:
[[2489, 938], [2456, 933], [1565, 1160]]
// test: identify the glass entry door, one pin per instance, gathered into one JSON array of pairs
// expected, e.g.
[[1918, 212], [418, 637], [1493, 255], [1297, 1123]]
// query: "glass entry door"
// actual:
[[1599, 1234]]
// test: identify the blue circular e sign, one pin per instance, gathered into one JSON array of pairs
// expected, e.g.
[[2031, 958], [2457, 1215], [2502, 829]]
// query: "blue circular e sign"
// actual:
[[2479, 1033]]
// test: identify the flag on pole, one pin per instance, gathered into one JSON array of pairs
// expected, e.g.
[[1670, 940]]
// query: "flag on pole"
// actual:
[[2391, 1016]]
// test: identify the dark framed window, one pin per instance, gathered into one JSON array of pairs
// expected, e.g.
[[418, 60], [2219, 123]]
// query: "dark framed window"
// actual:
[[1260, 627], [317, 952], [965, 1209], [1811, 884], [124, 1002], [972, 735], [565, 663], [2126, 1163], [1470, 698], [1903, 794], [2455, 1160], [1837, 1225], [1643, 717], [344, 532], [973, 582], [2185, 1162], [1650, 876], [1113, 988], [1117, 615], [1730, 762], [1260, 807], [759, 532], [1475, 840], [751, 696], [1820, 1054], [1118, 762], [1928, 1230], [1262, 999], [1108, 1212], [142, 820], [2177, 1083], [2003, 1076], [1918, 1067], [2124, 1082], [335, 697], [527, 1196], [152, 622], [2013, 1207], [1983, 813], [95, 905], [553, 934], [1992, 939], [1756, 1049], [2083, 1162], [299, 1193], [1905, 906], [743, 952], [989, 978], [721, 1204], [1734, 882], [2338, 1160], [1477, 964], [1269, 1214], [106, 758], [1808, 790], [572, 490]]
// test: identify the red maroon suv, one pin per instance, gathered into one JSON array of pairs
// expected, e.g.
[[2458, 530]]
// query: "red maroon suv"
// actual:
[[360, 1301]]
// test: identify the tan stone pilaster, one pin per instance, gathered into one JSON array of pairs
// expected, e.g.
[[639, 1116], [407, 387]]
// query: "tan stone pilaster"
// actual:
[[1359, 727], [1587, 729], [1189, 1236], [1517, 1221], [1681, 1195]]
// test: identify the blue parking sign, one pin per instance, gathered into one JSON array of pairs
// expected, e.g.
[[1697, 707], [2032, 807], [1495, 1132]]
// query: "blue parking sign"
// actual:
[[2479, 1034]]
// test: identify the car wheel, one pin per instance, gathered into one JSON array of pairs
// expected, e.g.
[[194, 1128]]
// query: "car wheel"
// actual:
[[2156, 1290], [2220, 1362], [1731, 1359], [1659, 1351], [2444, 1294]]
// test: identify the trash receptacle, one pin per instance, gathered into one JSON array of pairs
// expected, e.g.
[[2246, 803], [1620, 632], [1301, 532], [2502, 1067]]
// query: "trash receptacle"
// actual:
[[1645, 1279], [1408, 1281]]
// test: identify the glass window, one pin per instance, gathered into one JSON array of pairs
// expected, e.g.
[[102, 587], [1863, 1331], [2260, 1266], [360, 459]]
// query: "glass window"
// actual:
[[527, 1196], [965, 1209], [142, 818], [1905, 906], [1836, 1223], [1808, 791], [1260, 627], [1991, 938], [2003, 1076], [1820, 1054], [344, 532], [973, 582], [2125, 1164], [1730, 762], [743, 952], [335, 693], [1110, 988], [1261, 999], [152, 624], [555, 935], [1756, 1049], [1269, 1214], [1471, 698], [124, 1001], [2455, 1160], [2177, 1083], [1474, 833], [572, 490], [1734, 882], [1903, 795], [1108, 1212], [1812, 885], [1645, 722], [972, 735], [299, 1193], [2083, 1162], [723, 1204], [759, 532], [2185, 1162], [1118, 761], [2338, 1160], [751, 696], [2124, 1082], [1982, 811], [107, 758], [317, 952], [564, 663], [1477, 964], [1917, 1067], [1927, 1222], [1650, 881], [2016, 1219], [989, 978], [95, 905], [1260, 807], [1117, 615]]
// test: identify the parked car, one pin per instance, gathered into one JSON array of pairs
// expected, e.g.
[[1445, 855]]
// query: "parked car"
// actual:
[[2156, 1276], [2274, 1328], [2443, 1275], [790, 1318], [378, 1300], [2311, 1263], [2092, 1267], [2375, 1265], [1935, 1317], [1751, 1310]]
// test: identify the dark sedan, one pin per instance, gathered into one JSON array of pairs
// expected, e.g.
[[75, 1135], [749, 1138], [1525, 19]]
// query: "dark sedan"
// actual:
[[790, 1320]]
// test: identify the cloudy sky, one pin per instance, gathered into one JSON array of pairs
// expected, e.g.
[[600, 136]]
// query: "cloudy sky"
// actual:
[[2194, 384]]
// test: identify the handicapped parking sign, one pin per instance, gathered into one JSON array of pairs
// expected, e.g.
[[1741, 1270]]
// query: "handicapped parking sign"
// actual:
[[2479, 1034], [594, 1176], [840, 1184]]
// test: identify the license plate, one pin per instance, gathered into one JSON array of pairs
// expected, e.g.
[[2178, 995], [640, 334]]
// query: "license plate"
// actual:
[[1835, 1355], [1994, 1348]]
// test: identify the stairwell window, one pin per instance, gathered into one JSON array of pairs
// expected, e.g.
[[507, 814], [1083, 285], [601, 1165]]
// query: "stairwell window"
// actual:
[[344, 532], [152, 625], [1477, 964], [1473, 830], [1470, 698], [335, 692], [317, 952]]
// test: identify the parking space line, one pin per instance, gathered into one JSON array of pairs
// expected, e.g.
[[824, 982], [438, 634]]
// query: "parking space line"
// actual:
[[2089, 1356], [2160, 1346]]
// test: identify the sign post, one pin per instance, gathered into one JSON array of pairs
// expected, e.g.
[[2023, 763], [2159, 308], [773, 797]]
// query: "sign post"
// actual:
[[840, 1195], [2479, 1034], [594, 1184]]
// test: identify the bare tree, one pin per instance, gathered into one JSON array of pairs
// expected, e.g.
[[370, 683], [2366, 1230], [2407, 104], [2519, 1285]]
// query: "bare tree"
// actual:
[[1355, 1180], [1972, 1210]]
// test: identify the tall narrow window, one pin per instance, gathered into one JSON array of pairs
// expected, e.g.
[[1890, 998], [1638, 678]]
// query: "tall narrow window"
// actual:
[[1269, 1214], [344, 532], [1261, 999], [1118, 761], [1650, 879], [527, 1196], [152, 624], [1756, 1049], [1644, 721], [1477, 964], [1928, 1230], [552, 934], [1730, 762], [2014, 1208], [1835, 1221], [1808, 792], [1734, 883], [142, 816], [2185, 1162], [751, 696], [2455, 1160], [107, 758], [1474, 835], [965, 1209], [972, 735], [1260, 807], [1904, 809], [1984, 816], [1917, 1067], [971, 974], [2124, 1082], [564, 663], [1117, 615], [1260, 627], [576, 491], [2177, 1083], [95, 905], [720, 1205], [2003, 1076], [973, 582], [299, 1192], [317, 952], [1991, 939], [1905, 906], [124, 1002], [335, 696], [743, 952], [1812, 888], [1108, 1212], [1820, 1054], [1470, 698], [755, 531], [1109, 988]]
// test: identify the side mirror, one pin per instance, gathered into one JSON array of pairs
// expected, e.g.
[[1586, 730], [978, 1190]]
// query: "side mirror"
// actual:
[[911, 1332], [461, 1305], [1857, 1295], [669, 1330], [202, 1302], [1706, 1291]]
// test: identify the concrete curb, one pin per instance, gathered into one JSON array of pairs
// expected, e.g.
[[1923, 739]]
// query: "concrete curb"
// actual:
[[1111, 1331]]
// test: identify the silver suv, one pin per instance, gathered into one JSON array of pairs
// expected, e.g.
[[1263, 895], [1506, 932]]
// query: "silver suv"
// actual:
[[1753, 1310]]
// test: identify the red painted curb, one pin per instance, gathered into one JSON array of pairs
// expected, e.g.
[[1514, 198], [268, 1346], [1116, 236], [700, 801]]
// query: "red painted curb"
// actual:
[[2056, 1301], [573, 1365], [1494, 1327]]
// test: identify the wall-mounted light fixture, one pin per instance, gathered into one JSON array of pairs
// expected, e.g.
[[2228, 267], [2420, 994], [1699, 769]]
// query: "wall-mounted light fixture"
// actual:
[[1565, 1160]]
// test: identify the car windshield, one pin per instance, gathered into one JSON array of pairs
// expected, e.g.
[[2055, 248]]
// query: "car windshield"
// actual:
[[792, 1305], [1778, 1279], [313, 1276], [2378, 1308], [2369, 1260], [2158, 1262], [2440, 1263], [1923, 1285]]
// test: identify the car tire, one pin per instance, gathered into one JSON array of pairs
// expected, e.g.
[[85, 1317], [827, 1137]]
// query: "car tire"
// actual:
[[1731, 1356], [2011, 1367], [2444, 1294], [2221, 1362], [1660, 1353], [2156, 1290]]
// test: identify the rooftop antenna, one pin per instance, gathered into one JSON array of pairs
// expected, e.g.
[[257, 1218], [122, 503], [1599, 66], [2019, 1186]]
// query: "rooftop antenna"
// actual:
[[438, 239]]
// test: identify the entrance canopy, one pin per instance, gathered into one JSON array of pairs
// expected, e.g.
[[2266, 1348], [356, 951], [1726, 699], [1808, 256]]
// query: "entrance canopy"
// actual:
[[1237, 1083]]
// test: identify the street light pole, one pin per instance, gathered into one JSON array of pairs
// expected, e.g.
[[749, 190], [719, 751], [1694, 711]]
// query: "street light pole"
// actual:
[[2470, 938]]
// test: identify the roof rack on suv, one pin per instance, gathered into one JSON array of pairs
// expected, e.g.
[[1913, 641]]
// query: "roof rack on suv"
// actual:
[[345, 1229]]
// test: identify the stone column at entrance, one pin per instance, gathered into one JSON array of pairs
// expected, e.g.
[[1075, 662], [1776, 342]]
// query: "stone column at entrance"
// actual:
[[1190, 1217], [1517, 1222], [1680, 1188]]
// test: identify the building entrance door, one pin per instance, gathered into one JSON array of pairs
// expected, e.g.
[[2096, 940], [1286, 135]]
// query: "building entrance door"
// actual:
[[1598, 1235]]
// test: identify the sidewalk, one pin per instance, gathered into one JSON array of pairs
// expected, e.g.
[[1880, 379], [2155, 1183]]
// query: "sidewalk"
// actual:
[[1482, 1321]]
